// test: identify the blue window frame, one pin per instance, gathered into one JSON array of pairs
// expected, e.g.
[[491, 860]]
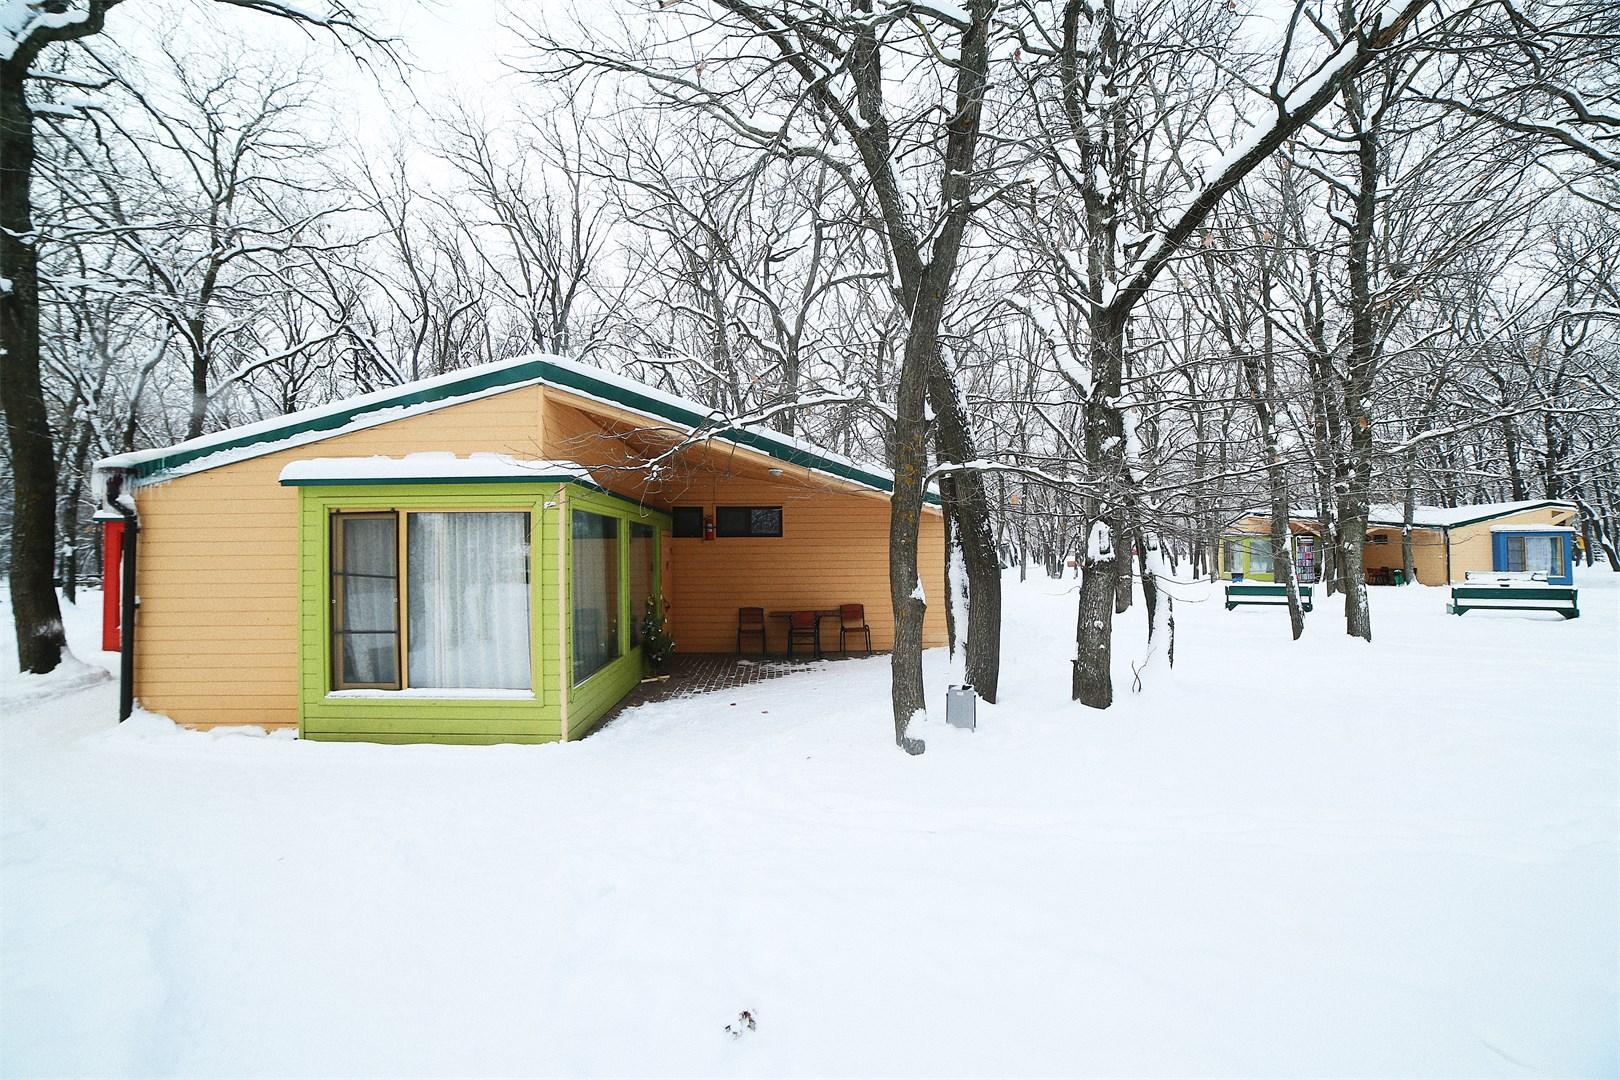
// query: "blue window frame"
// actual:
[[1550, 551]]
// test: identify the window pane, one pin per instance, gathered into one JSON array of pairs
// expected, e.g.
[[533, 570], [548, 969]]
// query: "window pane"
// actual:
[[365, 593], [369, 547], [1538, 553], [596, 592], [468, 598], [367, 604], [765, 521], [368, 659], [641, 576], [1259, 556], [731, 520], [688, 521], [1515, 554]]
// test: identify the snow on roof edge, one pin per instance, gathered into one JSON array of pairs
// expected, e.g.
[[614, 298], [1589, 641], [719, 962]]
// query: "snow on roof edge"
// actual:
[[358, 402], [428, 465], [238, 443], [1390, 515]]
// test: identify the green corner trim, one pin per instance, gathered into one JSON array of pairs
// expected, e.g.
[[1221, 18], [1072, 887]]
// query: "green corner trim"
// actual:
[[460, 719]]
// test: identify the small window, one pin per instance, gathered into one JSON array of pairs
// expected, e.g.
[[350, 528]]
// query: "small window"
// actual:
[[365, 601], [688, 521], [748, 521]]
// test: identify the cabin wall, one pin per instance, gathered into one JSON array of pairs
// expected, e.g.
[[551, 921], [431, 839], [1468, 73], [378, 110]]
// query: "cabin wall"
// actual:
[[834, 549], [217, 630], [1471, 544], [1428, 553]]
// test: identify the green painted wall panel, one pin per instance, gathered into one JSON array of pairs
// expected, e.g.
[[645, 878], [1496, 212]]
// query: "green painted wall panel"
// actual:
[[413, 719]]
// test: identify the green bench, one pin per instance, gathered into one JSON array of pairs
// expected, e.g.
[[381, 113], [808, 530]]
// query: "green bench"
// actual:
[[1513, 592], [1245, 592]]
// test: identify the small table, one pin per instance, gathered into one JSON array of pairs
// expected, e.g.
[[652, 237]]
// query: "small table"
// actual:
[[820, 614]]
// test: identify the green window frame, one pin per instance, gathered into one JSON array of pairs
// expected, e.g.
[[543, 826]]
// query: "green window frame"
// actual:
[[348, 585]]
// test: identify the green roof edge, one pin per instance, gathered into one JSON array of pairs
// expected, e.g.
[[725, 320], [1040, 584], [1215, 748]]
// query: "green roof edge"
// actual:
[[1537, 505], [549, 373], [472, 384]]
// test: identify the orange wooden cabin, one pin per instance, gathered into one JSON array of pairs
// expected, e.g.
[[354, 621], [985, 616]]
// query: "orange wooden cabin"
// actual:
[[235, 567]]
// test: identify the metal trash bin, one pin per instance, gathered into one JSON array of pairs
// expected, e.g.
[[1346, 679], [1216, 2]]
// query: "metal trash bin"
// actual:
[[961, 707]]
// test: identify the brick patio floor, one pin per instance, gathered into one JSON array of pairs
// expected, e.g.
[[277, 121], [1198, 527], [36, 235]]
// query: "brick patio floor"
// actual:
[[695, 674]]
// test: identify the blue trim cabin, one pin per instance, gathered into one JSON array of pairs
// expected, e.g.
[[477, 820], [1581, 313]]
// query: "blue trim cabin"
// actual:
[[1448, 542]]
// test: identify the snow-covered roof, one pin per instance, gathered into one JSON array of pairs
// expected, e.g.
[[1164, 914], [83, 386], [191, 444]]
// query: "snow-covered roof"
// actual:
[[1523, 527], [429, 467], [455, 388], [1393, 515], [1447, 517]]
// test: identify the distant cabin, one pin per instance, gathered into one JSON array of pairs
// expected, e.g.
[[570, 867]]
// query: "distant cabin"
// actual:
[[1447, 543], [470, 558]]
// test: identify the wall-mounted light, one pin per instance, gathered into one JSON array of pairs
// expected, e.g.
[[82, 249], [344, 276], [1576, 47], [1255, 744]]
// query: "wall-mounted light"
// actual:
[[774, 472]]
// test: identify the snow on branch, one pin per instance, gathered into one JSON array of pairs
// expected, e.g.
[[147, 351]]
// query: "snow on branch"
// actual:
[[1376, 31]]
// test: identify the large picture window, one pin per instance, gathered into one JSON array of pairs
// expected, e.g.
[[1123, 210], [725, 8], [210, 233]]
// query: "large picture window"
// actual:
[[596, 592], [1248, 555], [466, 596], [1532, 553], [641, 576], [468, 600]]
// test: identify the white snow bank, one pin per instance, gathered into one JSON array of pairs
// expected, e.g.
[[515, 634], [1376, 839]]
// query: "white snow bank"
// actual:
[[429, 466], [1321, 858]]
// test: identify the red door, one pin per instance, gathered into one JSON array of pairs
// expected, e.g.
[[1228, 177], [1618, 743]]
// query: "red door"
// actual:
[[112, 572]]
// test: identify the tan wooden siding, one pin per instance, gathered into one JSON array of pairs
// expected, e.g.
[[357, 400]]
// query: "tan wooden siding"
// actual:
[[217, 638], [1471, 544], [833, 550], [217, 634], [834, 547], [1428, 553]]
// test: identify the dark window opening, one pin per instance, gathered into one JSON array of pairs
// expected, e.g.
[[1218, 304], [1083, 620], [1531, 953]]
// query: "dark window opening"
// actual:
[[688, 521], [748, 521]]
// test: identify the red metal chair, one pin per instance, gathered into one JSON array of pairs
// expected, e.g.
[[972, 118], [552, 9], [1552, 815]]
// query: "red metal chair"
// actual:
[[751, 620], [804, 627], [852, 620]]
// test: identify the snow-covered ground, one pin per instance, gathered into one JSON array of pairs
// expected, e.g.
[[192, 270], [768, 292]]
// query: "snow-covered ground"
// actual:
[[1283, 858]]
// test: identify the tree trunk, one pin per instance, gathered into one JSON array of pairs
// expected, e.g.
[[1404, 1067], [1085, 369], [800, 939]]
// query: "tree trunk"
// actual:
[[968, 511], [1354, 474], [35, 610], [1105, 439], [910, 448]]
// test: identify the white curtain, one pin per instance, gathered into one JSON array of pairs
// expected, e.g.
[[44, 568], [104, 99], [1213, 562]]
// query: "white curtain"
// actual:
[[1538, 554], [469, 600]]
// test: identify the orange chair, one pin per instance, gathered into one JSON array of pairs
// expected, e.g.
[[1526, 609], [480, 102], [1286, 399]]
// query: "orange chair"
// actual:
[[804, 627], [751, 620], [852, 620]]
